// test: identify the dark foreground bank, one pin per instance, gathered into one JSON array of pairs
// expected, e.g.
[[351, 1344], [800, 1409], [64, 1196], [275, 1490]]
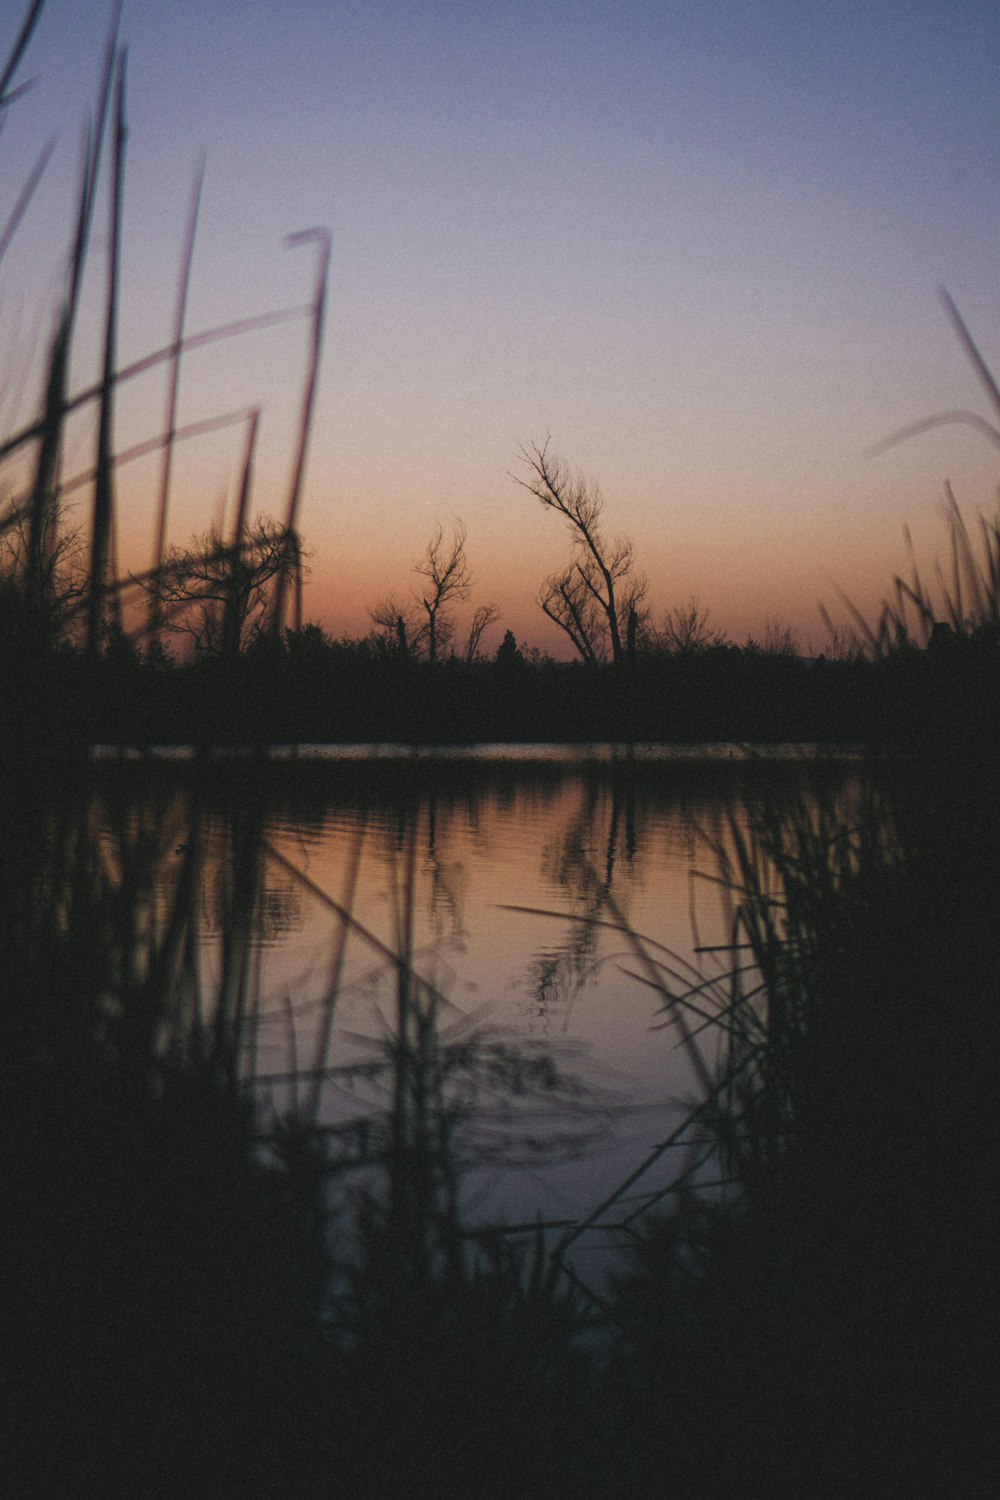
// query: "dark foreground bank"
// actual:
[[206, 1289]]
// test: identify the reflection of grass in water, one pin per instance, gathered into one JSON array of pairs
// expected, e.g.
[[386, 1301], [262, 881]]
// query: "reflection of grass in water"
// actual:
[[155, 1270], [178, 1254], [171, 1249], [833, 1330]]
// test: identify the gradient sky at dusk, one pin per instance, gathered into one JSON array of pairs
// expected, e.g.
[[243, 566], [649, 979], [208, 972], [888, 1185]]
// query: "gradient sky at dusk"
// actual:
[[698, 244]]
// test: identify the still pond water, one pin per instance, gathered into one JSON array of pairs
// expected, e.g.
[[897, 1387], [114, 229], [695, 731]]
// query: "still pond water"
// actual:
[[509, 876]]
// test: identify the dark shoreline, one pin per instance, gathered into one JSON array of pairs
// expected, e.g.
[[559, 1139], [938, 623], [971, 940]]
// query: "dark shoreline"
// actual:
[[608, 753], [62, 701]]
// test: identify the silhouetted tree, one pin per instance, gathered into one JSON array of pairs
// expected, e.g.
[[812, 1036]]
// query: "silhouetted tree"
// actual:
[[423, 624], [403, 630], [41, 609], [509, 654], [483, 617], [309, 649], [446, 570], [685, 629], [779, 638], [219, 594], [596, 599]]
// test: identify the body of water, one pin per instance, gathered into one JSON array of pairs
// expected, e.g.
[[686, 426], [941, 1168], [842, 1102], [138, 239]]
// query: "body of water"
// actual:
[[537, 895]]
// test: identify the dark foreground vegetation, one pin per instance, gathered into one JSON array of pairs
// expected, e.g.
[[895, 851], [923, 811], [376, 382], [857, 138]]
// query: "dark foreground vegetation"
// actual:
[[210, 1283], [208, 1288], [304, 688]]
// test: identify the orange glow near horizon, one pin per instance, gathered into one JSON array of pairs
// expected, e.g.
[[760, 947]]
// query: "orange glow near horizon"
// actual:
[[715, 296], [758, 568]]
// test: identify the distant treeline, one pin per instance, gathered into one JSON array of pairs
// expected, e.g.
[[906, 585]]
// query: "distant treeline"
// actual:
[[305, 687]]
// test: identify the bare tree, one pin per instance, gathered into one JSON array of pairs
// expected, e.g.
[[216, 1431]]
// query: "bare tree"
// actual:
[[779, 638], [597, 599], [423, 625], [219, 594], [446, 570], [567, 601], [685, 629], [43, 596], [484, 615], [399, 621]]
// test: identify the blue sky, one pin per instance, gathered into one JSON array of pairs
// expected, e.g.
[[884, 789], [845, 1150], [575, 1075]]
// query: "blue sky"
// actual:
[[698, 244]]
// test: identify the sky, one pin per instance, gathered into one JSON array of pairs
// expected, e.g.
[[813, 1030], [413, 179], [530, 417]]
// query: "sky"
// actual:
[[698, 246]]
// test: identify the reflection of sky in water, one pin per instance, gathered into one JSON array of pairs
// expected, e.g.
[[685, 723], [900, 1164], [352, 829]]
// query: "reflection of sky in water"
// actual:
[[512, 874]]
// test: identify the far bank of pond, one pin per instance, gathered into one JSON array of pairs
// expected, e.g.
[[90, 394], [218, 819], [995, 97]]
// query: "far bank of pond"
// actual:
[[349, 693]]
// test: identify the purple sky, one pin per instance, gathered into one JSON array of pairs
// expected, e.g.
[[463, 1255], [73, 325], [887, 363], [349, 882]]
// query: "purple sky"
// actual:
[[699, 244]]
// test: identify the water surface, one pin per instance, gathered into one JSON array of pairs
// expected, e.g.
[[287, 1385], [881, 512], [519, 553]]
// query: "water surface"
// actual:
[[517, 881]]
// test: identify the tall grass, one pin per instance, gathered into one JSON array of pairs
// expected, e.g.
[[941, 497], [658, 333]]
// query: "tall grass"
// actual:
[[209, 1283], [153, 1282], [41, 442], [194, 1222], [823, 1314], [960, 603]]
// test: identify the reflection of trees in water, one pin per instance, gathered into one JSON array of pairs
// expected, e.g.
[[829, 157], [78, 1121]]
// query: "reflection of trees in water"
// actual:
[[134, 1036], [420, 832], [447, 877], [600, 835], [555, 979], [164, 834], [103, 948], [154, 840], [278, 906], [605, 852], [583, 861], [432, 1095], [170, 889], [610, 824], [182, 1233]]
